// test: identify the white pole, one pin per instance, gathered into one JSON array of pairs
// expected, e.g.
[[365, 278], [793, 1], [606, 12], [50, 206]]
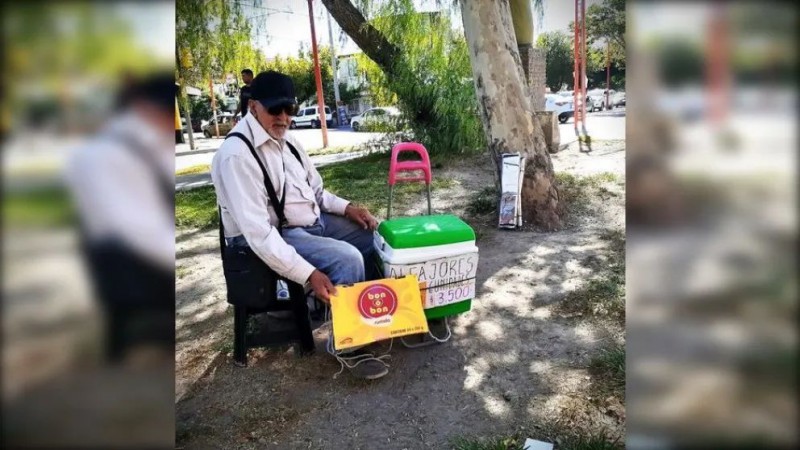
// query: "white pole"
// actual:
[[333, 62]]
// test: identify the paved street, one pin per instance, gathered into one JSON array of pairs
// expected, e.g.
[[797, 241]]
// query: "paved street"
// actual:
[[601, 125], [46, 154]]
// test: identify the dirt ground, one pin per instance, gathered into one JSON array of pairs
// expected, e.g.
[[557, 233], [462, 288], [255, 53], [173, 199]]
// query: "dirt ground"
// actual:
[[514, 363]]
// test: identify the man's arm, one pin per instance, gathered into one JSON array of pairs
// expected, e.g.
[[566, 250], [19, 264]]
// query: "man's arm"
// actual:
[[242, 185]]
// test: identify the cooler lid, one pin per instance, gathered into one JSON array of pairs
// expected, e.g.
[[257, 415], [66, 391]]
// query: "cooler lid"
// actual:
[[424, 231]]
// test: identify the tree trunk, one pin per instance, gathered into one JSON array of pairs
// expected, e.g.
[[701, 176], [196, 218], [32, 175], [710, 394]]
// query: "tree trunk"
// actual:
[[508, 119], [184, 99]]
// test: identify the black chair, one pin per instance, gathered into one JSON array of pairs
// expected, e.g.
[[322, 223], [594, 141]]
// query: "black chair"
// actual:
[[299, 334], [252, 290]]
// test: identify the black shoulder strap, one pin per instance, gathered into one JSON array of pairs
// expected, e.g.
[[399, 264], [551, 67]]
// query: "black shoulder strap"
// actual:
[[295, 153], [166, 185], [277, 204]]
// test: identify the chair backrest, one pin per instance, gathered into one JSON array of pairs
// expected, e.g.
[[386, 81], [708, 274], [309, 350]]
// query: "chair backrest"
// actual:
[[424, 164]]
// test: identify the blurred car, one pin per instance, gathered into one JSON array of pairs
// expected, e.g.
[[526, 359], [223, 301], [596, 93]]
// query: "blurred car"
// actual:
[[618, 99], [309, 117], [571, 95], [596, 100], [197, 125], [225, 124], [385, 114], [561, 105]]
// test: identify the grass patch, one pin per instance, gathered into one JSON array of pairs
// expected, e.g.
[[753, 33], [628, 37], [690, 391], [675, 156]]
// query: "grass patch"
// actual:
[[332, 150], [191, 170], [563, 438], [604, 296], [361, 180], [196, 208], [364, 181], [182, 271], [43, 207], [509, 443], [483, 201], [608, 366], [577, 192]]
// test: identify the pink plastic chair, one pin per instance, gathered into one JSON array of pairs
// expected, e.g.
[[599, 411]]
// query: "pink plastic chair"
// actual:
[[395, 166]]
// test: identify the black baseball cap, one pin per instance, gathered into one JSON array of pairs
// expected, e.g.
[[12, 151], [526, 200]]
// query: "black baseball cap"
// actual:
[[158, 89], [273, 88]]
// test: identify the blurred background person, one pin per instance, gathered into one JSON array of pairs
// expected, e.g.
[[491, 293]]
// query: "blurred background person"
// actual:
[[123, 183], [84, 105], [711, 225]]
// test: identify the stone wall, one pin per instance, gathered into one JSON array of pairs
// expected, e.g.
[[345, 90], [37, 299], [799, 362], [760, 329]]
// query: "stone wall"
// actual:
[[534, 66]]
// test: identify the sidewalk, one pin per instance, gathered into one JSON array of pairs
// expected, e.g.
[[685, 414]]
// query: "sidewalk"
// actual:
[[197, 180]]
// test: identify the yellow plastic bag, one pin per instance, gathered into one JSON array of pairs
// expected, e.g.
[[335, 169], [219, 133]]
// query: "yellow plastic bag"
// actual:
[[376, 310]]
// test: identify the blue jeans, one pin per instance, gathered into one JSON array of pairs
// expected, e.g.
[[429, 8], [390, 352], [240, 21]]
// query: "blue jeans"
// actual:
[[335, 245]]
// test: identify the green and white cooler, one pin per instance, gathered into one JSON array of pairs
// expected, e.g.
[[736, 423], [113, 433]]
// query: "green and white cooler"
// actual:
[[440, 250]]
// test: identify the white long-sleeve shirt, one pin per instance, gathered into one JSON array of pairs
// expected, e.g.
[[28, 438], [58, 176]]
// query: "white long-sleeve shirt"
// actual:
[[118, 194], [246, 208]]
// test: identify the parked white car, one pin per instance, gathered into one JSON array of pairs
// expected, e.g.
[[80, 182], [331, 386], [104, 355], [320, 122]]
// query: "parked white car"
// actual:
[[596, 100], [309, 117], [383, 114], [561, 105]]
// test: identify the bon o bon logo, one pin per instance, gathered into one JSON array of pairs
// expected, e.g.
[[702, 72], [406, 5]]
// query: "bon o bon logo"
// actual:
[[377, 301]]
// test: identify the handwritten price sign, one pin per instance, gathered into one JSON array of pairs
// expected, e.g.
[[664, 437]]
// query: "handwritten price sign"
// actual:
[[448, 280]]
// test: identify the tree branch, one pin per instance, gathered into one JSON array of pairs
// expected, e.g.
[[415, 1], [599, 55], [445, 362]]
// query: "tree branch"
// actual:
[[371, 41]]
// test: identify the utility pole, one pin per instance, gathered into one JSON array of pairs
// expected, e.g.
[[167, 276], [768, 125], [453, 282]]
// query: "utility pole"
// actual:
[[608, 72], [320, 99], [213, 104], [333, 63], [184, 63]]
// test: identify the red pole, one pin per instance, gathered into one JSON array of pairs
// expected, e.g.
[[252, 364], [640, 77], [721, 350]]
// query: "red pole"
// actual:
[[576, 71], [318, 76], [716, 66]]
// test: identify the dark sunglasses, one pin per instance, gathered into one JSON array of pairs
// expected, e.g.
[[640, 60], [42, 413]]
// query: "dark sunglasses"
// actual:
[[290, 109]]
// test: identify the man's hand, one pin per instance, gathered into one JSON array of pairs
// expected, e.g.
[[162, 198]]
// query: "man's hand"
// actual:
[[322, 286], [361, 216]]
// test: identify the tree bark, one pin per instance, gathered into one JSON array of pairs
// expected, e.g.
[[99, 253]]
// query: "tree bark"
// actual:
[[508, 118]]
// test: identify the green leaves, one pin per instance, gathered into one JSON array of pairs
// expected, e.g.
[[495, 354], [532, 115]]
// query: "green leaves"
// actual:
[[216, 36], [560, 63]]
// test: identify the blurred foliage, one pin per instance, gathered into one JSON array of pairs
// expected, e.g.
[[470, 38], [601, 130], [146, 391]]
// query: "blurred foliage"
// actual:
[[301, 69], [63, 60], [213, 38], [48, 207], [681, 61], [382, 127], [201, 108], [434, 90], [605, 36], [560, 63], [606, 21]]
